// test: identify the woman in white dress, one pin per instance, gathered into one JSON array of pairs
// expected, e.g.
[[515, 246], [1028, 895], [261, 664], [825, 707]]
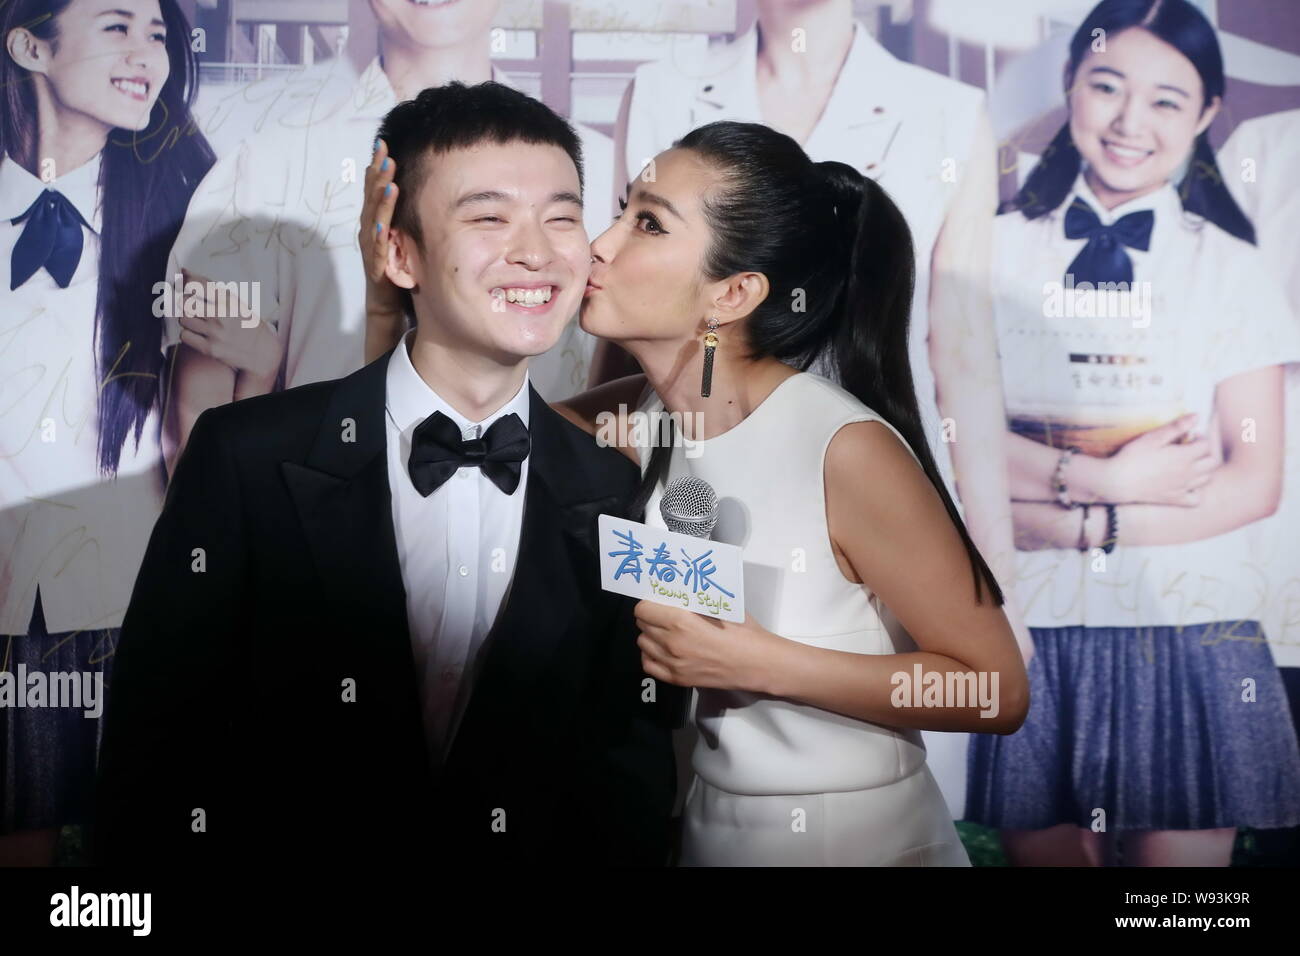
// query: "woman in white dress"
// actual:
[[729, 273], [813, 70]]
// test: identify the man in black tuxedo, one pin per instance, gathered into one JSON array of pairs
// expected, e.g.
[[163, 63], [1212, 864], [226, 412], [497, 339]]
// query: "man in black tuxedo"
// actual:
[[369, 623]]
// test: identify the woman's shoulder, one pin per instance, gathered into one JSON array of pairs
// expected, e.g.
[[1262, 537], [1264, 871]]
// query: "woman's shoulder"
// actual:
[[1216, 243], [853, 430], [1237, 272], [832, 400]]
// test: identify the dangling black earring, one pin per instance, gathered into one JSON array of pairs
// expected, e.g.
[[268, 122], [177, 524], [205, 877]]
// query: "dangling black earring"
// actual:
[[710, 345]]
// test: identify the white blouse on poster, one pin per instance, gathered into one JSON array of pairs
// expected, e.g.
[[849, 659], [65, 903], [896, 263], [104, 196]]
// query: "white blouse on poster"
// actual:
[[1258, 163], [1215, 312], [64, 525], [905, 126], [279, 211]]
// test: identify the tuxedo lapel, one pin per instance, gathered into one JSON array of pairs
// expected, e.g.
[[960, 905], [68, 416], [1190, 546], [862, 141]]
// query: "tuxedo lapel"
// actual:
[[344, 503]]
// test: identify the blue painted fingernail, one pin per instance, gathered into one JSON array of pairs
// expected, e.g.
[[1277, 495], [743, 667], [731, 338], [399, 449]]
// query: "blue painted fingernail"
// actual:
[[384, 164], [375, 148], [379, 227], [388, 189]]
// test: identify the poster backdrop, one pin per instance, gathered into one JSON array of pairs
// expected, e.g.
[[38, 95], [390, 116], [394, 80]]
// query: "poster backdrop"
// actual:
[[1062, 336]]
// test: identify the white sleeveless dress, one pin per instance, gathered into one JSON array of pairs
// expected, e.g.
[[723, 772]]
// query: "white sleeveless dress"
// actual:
[[778, 782]]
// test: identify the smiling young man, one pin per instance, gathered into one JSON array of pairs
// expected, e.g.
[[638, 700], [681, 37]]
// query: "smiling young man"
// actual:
[[369, 622], [280, 209]]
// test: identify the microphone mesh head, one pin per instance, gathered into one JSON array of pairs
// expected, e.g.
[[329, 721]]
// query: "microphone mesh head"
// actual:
[[689, 506]]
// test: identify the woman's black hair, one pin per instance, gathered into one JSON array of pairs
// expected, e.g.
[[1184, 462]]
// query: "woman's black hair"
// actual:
[[837, 254], [1183, 27], [146, 180]]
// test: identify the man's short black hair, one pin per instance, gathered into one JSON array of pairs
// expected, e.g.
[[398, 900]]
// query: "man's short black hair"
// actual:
[[456, 116]]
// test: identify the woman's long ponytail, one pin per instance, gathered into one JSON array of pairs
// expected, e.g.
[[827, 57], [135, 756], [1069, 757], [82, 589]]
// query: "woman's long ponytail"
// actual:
[[869, 347]]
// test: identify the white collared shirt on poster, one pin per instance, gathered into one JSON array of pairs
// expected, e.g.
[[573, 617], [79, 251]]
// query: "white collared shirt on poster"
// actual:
[[1258, 162], [65, 527], [1215, 311], [283, 211], [457, 547], [906, 127]]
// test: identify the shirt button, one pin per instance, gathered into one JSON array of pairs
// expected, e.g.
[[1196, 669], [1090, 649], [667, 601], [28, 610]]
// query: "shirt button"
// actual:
[[463, 571], [463, 473]]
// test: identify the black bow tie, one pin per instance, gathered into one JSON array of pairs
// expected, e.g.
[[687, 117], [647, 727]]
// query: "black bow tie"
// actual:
[[438, 452], [52, 238], [1102, 258]]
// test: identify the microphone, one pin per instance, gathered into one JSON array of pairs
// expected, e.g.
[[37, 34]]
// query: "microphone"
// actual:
[[689, 506]]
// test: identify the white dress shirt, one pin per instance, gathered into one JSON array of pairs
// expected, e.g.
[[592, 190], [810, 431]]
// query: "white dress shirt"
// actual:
[[1215, 312], [283, 210], [64, 525], [906, 127], [457, 548]]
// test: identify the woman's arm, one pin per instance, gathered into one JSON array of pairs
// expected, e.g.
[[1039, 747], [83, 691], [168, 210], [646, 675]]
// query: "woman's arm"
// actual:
[[1245, 488], [1032, 471], [964, 357], [1158, 467], [199, 382], [226, 353], [602, 410], [897, 537]]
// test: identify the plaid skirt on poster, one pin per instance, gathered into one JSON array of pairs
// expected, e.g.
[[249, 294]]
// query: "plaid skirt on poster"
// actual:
[[1163, 728], [49, 755]]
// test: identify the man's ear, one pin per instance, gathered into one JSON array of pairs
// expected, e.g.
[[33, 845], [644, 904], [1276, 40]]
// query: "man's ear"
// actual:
[[28, 50], [403, 266]]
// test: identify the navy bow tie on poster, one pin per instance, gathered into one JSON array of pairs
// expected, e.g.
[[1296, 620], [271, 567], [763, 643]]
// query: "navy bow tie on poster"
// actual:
[[1103, 258], [438, 452], [52, 238]]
